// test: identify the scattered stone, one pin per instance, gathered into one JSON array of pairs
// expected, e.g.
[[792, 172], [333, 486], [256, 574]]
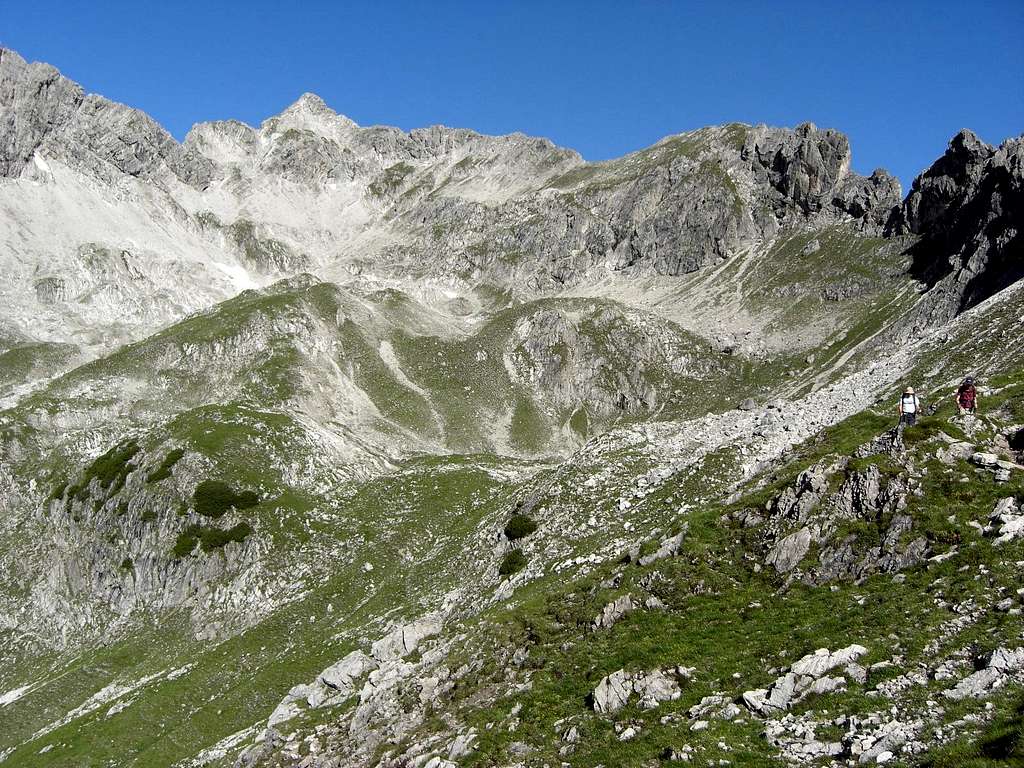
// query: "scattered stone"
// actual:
[[669, 548]]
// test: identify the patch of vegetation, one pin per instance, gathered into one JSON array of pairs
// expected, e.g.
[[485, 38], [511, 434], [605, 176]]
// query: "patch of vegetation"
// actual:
[[186, 542], [215, 538], [208, 538], [57, 493], [390, 180], [127, 564], [999, 745], [164, 470], [262, 252], [519, 526], [529, 429], [27, 361], [110, 470], [213, 498], [512, 563], [579, 422]]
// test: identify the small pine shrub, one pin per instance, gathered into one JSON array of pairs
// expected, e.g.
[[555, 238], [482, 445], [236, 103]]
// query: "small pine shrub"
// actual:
[[519, 527], [127, 564], [215, 538], [112, 468], [57, 493], [164, 470], [213, 498], [186, 541], [208, 538], [513, 562]]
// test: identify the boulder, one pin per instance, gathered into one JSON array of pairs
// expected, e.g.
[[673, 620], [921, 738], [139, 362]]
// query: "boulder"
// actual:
[[788, 552], [615, 610], [613, 692], [996, 673], [343, 675], [986, 460], [806, 677], [821, 661], [403, 640], [656, 687]]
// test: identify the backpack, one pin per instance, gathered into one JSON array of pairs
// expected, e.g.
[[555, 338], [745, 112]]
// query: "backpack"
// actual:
[[966, 395]]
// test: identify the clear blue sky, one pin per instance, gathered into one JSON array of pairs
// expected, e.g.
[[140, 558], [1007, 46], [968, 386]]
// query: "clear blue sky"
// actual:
[[605, 78]]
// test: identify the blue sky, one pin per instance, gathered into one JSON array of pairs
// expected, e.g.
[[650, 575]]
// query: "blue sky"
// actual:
[[605, 78]]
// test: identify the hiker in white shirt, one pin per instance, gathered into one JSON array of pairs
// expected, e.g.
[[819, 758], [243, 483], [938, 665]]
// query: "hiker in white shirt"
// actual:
[[909, 406]]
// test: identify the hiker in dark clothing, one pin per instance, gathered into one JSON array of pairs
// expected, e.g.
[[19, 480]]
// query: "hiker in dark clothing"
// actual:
[[967, 397], [908, 407]]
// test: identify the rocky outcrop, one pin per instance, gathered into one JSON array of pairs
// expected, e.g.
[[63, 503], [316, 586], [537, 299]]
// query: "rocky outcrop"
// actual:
[[966, 211], [35, 100], [806, 677], [808, 170], [1002, 666], [615, 610], [652, 688]]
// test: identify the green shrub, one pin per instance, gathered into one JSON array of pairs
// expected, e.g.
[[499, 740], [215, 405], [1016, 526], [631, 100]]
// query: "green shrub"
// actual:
[[215, 538], [187, 541], [164, 470], [110, 470], [213, 498], [513, 562], [519, 526], [127, 564], [208, 538]]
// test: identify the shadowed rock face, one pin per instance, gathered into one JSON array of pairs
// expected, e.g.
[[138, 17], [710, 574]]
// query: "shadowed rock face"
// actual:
[[967, 210]]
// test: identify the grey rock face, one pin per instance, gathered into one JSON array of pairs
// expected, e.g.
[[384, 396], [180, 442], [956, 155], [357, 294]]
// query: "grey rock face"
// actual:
[[35, 100], [967, 210], [615, 690], [809, 169], [42, 110]]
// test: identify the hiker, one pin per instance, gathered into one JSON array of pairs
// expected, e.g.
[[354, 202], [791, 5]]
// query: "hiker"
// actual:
[[909, 406], [967, 397]]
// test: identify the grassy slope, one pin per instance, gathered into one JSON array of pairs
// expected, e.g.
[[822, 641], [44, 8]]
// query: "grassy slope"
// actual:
[[723, 618], [417, 527]]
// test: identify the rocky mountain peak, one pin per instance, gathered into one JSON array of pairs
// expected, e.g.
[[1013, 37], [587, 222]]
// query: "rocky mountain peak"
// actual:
[[310, 112]]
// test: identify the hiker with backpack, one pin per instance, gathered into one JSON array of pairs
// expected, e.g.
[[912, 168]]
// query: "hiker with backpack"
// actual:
[[967, 397], [908, 407]]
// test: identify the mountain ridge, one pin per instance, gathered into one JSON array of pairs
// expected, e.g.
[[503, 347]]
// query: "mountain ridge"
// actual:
[[324, 445]]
